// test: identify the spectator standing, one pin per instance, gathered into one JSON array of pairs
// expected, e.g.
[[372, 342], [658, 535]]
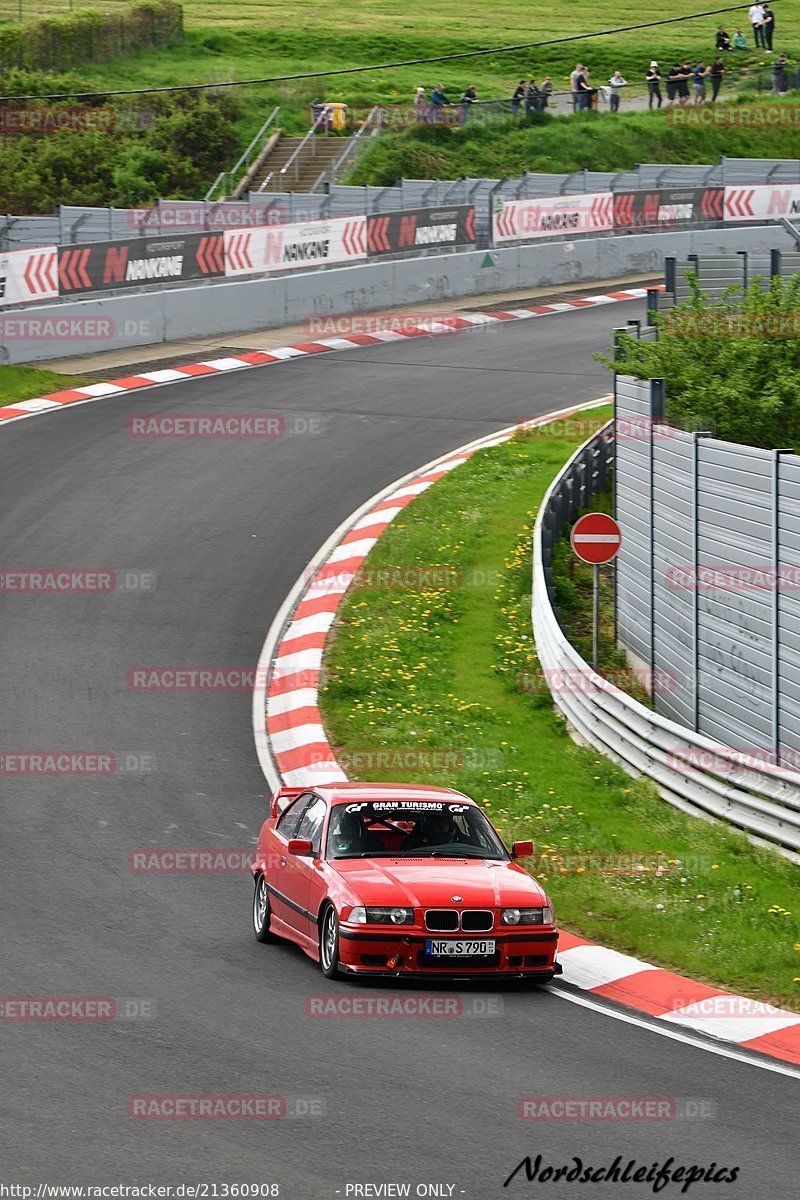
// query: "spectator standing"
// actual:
[[616, 83], [683, 83], [768, 27], [672, 83], [699, 83], [468, 98], [573, 86], [531, 98], [739, 40], [518, 97], [780, 75], [421, 105], [585, 90], [653, 84], [723, 41], [755, 14], [438, 100], [545, 91], [716, 74]]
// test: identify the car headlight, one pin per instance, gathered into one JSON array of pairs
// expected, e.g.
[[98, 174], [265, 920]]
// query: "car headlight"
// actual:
[[528, 916], [381, 916]]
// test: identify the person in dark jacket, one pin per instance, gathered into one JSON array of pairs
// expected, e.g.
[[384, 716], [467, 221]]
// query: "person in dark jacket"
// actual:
[[532, 97], [653, 84], [468, 98], [716, 75], [768, 26], [723, 41], [780, 75]]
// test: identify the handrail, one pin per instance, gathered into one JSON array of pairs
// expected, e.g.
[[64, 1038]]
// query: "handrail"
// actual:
[[321, 122], [244, 158], [375, 115], [691, 771]]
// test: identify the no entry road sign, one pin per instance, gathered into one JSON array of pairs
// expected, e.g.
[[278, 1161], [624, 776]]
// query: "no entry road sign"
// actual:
[[596, 538]]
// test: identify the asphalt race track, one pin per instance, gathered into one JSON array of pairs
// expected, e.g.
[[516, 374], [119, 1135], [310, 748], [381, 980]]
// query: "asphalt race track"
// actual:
[[227, 526]]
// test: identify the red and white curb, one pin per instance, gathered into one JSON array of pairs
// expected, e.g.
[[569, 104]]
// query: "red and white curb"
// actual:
[[454, 324], [293, 749]]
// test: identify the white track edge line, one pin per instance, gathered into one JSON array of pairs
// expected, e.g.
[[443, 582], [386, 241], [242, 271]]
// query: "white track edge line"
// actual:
[[284, 614], [756, 1058]]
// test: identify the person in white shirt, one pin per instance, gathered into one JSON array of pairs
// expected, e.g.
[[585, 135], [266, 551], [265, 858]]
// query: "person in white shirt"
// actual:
[[756, 16], [616, 82]]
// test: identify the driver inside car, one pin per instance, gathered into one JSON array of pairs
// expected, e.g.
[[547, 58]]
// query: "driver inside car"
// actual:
[[433, 829], [352, 837]]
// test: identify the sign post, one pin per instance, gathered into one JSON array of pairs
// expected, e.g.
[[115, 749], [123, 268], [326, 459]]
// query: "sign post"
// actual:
[[596, 538]]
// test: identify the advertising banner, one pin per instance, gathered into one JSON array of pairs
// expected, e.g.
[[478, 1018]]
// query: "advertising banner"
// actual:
[[28, 275], [136, 261], [420, 228], [556, 216], [666, 208], [284, 247], [765, 202]]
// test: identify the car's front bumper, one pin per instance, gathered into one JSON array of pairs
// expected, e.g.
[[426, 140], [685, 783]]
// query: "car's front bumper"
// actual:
[[518, 955]]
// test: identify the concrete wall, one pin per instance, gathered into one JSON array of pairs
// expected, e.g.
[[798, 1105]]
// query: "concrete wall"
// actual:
[[234, 306]]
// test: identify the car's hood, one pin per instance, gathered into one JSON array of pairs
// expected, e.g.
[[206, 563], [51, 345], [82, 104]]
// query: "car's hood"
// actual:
[[426, 882]]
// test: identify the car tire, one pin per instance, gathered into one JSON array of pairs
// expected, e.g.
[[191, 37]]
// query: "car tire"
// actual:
[[329, 943], [262, 911]]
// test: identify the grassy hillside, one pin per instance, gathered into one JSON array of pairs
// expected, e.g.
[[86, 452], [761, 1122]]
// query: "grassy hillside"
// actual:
[[592, 140], [231, 40]]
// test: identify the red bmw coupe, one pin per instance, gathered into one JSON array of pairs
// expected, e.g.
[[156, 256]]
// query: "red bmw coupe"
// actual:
[[390, 879]]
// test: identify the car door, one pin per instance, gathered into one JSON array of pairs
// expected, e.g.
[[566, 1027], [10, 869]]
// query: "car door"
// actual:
[[285, 829], [301, 875]]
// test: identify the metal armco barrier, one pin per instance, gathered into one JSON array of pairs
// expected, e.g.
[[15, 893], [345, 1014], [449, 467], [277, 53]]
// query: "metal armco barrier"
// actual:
[[332, 241], [420, 228], [691, 772]]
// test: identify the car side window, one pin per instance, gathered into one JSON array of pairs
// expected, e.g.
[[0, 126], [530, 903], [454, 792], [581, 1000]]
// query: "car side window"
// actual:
[[311, 823], [290, 818]]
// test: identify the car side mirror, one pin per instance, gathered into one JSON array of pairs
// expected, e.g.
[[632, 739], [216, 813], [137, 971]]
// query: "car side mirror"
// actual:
[[301, 847], [522, 849]]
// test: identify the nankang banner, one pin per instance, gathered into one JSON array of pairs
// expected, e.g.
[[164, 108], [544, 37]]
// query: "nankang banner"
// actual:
[[287, 247], [666, 208], [551, 216], [28, 275], [421, 229], [137, 261]]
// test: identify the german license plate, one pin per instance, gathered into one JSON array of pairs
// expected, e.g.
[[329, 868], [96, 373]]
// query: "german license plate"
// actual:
[[460, 947]]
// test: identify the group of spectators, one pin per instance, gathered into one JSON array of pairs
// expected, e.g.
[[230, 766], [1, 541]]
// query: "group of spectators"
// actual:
[[680, 78], [531, 97], [684, 82], [431, 108]]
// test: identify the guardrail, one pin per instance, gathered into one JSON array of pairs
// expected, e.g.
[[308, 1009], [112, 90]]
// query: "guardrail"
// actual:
[[691, 772], [277, 180], [226, 182], [372, 124]]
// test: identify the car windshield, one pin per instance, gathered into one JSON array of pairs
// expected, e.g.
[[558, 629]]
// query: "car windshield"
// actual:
[[411, 829]]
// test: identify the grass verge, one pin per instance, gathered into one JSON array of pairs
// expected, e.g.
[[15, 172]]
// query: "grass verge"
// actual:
[[26, 383], [437, 669]]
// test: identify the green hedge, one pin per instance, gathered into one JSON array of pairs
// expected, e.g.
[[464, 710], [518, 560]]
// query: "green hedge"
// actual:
[[88, 36]]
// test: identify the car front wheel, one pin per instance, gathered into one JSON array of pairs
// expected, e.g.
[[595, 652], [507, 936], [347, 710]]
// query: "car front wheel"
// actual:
[[262, 911], [329, 943]]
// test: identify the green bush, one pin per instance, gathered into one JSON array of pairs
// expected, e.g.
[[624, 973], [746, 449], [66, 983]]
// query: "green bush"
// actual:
[[88, 36], [731, 365], [170, 148]]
